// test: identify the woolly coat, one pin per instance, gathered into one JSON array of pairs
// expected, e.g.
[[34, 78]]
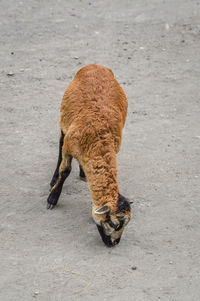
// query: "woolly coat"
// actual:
[[92, 116]]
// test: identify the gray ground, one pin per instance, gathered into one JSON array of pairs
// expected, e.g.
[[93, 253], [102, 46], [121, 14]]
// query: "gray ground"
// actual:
[[153, 49]]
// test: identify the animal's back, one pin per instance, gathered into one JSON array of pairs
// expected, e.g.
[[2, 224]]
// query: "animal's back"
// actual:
[[94, 105]]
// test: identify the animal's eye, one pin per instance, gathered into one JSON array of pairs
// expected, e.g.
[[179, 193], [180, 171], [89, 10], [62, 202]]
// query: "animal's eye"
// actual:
[[120, 225]]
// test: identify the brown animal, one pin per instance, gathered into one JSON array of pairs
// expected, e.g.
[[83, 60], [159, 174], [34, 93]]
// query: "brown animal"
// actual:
[[92, 115]]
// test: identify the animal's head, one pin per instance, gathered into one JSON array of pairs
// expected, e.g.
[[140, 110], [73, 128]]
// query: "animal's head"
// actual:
[[111, 225]]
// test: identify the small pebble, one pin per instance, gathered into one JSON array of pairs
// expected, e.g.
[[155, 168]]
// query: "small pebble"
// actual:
[[167, 26], [10, 73], [35, 294], [133, 268]]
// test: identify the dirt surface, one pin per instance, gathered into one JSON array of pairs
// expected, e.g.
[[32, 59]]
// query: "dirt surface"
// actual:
[[153, 49]]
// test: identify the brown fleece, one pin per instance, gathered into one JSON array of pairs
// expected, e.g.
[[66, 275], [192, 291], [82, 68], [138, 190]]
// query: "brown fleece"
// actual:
[[92, 115]]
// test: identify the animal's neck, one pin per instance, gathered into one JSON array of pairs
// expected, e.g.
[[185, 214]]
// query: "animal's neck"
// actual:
[[101, 173]]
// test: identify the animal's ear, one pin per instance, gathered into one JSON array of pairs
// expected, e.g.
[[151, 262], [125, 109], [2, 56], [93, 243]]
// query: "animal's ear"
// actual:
[[102, 210]]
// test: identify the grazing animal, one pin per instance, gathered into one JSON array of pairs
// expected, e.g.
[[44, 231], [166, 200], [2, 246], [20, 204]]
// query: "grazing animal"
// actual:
[[92, 116]]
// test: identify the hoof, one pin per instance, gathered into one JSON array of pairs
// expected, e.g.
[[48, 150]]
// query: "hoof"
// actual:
[[52, 199], [50, 206]]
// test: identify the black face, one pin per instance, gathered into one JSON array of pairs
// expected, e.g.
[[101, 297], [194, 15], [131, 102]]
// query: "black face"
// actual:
[[107, 238], [111, 231]]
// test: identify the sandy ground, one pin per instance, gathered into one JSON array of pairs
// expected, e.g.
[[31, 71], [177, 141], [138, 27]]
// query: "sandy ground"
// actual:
[[153, 49]]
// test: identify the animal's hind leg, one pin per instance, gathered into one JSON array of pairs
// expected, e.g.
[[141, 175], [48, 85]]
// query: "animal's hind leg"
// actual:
[[56, 173], [82, 174], [64, 171]]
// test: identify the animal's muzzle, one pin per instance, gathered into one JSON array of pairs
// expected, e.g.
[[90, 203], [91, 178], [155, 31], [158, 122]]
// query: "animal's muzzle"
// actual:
[[106, 238]]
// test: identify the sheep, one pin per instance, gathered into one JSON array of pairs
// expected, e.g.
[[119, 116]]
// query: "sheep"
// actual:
[[92, 116]]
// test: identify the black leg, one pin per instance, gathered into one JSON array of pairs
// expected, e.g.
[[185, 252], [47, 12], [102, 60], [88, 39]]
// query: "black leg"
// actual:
[[82, 174], [64, 172], [56, 173]]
